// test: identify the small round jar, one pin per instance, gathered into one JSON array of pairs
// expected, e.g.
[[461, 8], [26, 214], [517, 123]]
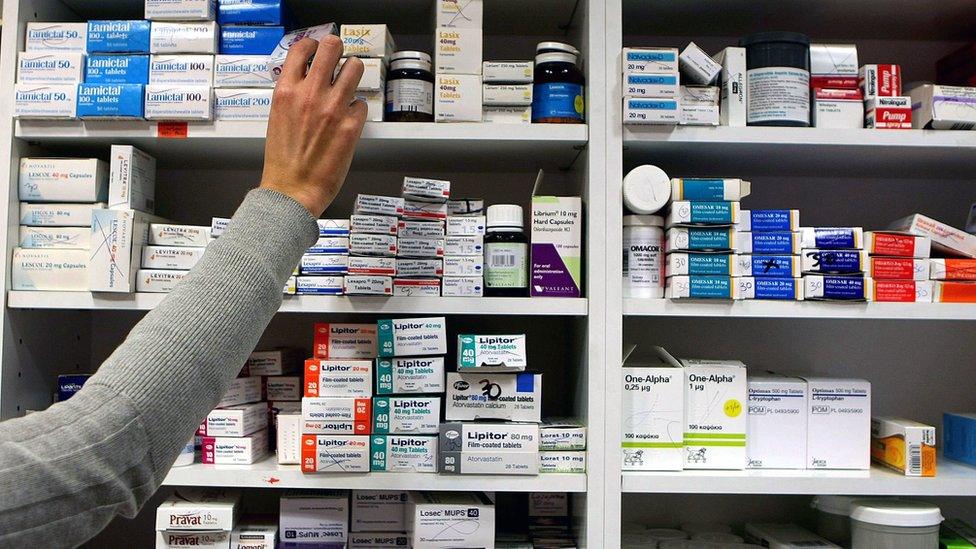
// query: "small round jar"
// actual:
[[409, 88], [557, 92]]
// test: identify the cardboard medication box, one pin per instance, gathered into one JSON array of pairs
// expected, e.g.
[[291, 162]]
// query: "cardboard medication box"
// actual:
[[698, 115], [410, 375], [417, 287], [375, 224], [276, 362], [50, 67], [510, 397], [171, 257], [952, 269], [557, 232], [406, 415], [943, 107], [199, 509], [63, 180], [45, 36], [458, 50], [379, 540], [251, 40], [419, 268], [168, 234], [465, 226], [697, 66], [888, 113], [117, 69], [959, 436], [181, 10], [252, 12], [403, 453], [322, 517], [167, 539], [181, 69], [650, 111], [834, 261], [834, 287], [838, 109], [838, 423], [832, 238], [506, 95], [330, 245], [432, 518], [243, 390], [880, 81], [338, 378], [420, 247], [562, 462], [944, 238], [733, 98], [234, 450], [478, 462], [777, 422], [378, 205], [489, 448], [338, 409], [904, 445], [235, 421], [55, 101], [491, 353], [77, 238], [49, 269], [833, 66], [653, 413], [898, 291], [425, 189], [107, 36], [506, 115], [254, 534], [341, 341], [464, 266], [562, 434], [199, 37], [650, 60], [685, 212], [132, 184], [242, 103], [409, 228], [153, 281], [366, 41], [701, 287], [459, 13], [282, 388], [57, 215], [373, 245], [427, 211], [335, 454], [895, 244], [168, 102], [457, 98], [378, 511], [710, 189], [462, 286], [280, 51], [715, 414], [897, 268], [367, 285], [663, 85], [412, 337], [121, 101], [507, 72], [242, 71], [118, 237], [377, 266]]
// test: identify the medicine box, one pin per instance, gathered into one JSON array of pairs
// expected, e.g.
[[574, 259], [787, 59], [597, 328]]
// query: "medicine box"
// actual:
[[491, 353], [768, 220], [180, 10], [382, 266], [171, 257], [417, 287], [696, 66], [777, 422], [242, 103], [833, 66], [378, 511], [715, 414], [199, 509], [748, 287], [548, 504], [895, 244], [833, 261], [660, 85], [366, 41], [117, 69], [282, 388], [880, 81], [342, 341], [63, 180], [277, 362], [132, 184], [507, 115], [943, 107], [374, 224], [335, 453], [785, 536], [698, 115], [255, 533], [45, 36], [218, 225], [235, 421], [118, 237], [378, 205], [118, 36], [489, 462], [959, 436], [459, 13], [250, 40], [316, 264], [898, 291], [834, 287], [457, 97], [838, 423], [76, 238], [427, 211], [406, 415], [952, 269], [412, 337], [833, 108], [110, 100], [410, 375], [49, 270], [179, 69], [251, 12], [379, 540], [367, 285], [562, 462], [234, 450], [45, 67], [167, 539], [650, 111], [650, 60], [699, 96], [403, 453], [280, 52], [465, 226], [336, 409], [429, 268], [506, 95], [903, 445], [944, 238], [464, 266], [242, 390], [557, 232], [196, 37], [431, 518], [330, 245], [511, 397], [55, 101], [562, 434], [464, 246], [832, 238], [425, 189], [322, 516], [733, 99], [338, 378], [57, 215], [888, 113], [319, 285], [242, 71], [462, 286], [507, 72], [69, 385], [897, 268], [702, 213], [333, 227], [700, 287], [497, 437], [167, 234], [709, 189], [166, 102]]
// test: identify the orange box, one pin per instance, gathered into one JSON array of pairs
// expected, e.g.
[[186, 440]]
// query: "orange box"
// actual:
[[954, 292], [335, 454], [338, 378], [952, 269], [904, 445], [345, 341]]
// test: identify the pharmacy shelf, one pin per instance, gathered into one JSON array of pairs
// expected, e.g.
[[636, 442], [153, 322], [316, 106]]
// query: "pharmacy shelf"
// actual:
[[268, 474], [811, 150], [952, 479], [799, 309], [387, 144], [318, 304]]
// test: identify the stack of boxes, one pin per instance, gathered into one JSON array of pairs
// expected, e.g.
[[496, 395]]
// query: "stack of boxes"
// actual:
[[242, 85], [50, 70], [118, 81], [699, 98], [235, 432], [491, 366], [421, 241], [837, 100], [507, 92], [378, 519], [250, 28], [170, 254], [954, 274], [373, 245], [464, 256], [281, 383], [885, 108], [897, 267], [562, 446], [650, 86], [457, 60], [766, 274], [374, 45], [321, 268], [550, 521], [833, 263], [197, 517]]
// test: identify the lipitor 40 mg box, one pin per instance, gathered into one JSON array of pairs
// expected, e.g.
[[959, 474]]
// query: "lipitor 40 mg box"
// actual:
[[410, 375], [340, 341], [412, 337], [63, 180], [338, 378], [491, 353], [403, 453], [406, 415]]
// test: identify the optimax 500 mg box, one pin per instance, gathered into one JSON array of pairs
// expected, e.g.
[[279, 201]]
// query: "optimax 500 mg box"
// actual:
[[777, 422]]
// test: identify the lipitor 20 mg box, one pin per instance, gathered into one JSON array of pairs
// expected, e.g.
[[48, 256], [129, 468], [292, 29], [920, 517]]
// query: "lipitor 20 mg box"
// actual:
[[338, 378], [340, 341]]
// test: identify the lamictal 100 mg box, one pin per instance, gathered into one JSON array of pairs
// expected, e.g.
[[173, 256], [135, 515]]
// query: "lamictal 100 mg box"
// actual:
[[117, 69], [180, 10], [197, 37], [169, 102], [181, 69]]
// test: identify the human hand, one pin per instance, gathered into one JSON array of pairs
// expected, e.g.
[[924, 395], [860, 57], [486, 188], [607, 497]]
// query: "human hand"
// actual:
[[314, 126]]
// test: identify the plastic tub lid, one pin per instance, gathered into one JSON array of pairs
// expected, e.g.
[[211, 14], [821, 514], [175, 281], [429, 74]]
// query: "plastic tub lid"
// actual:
[[647, 189], [643, 221], [835, 505], [555, 57], [896, 512], [544, 47], [410, 54], [774, 36]]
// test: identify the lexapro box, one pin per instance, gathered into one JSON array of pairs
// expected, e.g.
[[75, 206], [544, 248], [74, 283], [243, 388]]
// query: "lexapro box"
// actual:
[[322, 517], [412, 337], [378, 511], [198, 509], [117, 239], [777, 426], [653, 413], [715, 414], [838, 423], [507, 397], [451, 519]]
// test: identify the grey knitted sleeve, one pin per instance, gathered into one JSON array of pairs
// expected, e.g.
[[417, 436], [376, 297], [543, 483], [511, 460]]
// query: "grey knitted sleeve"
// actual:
[[66, 472]]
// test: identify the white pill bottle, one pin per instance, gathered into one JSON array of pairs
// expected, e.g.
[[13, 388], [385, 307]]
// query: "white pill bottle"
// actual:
[[643, 255]]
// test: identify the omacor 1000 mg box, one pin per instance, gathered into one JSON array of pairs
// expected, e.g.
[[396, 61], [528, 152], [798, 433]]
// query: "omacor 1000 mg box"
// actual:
[[653, 413], [715, 414]]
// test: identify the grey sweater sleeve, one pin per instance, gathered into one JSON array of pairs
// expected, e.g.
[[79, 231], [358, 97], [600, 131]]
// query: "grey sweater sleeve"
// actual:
[[69, 470]]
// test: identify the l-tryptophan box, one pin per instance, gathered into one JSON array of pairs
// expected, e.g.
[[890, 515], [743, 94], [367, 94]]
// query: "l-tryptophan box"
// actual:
[[107, 36], [562, 434], [338, 378], [77, 238], [45, 67], [403, 453], [506, 397], [110, 101], [44, 36], [63, 180], [412, 337], [117, 69], [451, 519], [199, 509], [168, 234], [562, 462], [410, 375], [378, 511], [57, 215], [653, 413], [242, 103], [321, 517], [160, 282], [715, 414], [838, 423], [777, 422], [335, 453], [198, 37], [118, 237], [180, 10], [132, 184], [55, 101], [242, 390], [491, 353], [234, 450], [168, 102], [49, 269], [235, 421], [340, 341], [406, 415], [242, 71], [181, 69]]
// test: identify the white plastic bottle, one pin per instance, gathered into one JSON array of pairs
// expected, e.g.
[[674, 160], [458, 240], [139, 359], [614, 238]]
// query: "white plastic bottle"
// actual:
[[643, 254]]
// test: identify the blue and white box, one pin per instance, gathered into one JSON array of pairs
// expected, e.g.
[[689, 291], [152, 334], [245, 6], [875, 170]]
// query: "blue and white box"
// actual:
[[725, 264], [117, 69], [330, 245], [333, 227], [767, 266], [651, 85], [834, 261], [783, 289], [242, 103], [250, 40], [650, 60], [650, 111], [251, 12], [242, 71], [959, 437], [702, 213], [165, 102], [779, 242], [180, 10], [185, 70], [761, 221], [700, 239], [324, 264], [111, 36], [198, 37], [56, 101], [834, 287], [110, 100], [709, 189], [700, 287], [44, 36], [319, 285], [833, 238], [50, 67], [69, 384]]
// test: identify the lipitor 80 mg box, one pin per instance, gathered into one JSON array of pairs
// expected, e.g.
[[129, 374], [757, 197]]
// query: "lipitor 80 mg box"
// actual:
[[378, 511], [63, 180], [777, 422], [412, 337], [491, 353], [653, 413], [479, 462], [338, 378], [406, 415], [410, 375], [44, 36], [340, 341], [505, 397], [498, 437], [838, 423], [715, 414], [45, 67], [403, 453], [199, 509]]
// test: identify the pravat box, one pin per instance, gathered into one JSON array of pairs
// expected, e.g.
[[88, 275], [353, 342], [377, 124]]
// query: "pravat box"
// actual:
[[168, 539], [838, 423], [335, 453], [199, 509], [406, 415], [340, 341], [410, 375], [403, 453], [378, 511], [412, 337], [63, 180], [338, 378], [234, 450], [506, 397], [715, 414], [777, 422]]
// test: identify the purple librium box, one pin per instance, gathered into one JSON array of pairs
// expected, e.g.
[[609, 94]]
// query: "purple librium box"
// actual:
[[550, 274], [70, 384], [557, 251]]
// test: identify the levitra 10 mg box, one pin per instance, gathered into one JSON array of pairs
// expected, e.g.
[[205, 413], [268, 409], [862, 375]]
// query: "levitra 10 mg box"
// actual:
[[653, 413], [715, 414], [406, 415], [491, 353], [403, 453], [412, 337], [132, 184], [335, 454], [410, 375]]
